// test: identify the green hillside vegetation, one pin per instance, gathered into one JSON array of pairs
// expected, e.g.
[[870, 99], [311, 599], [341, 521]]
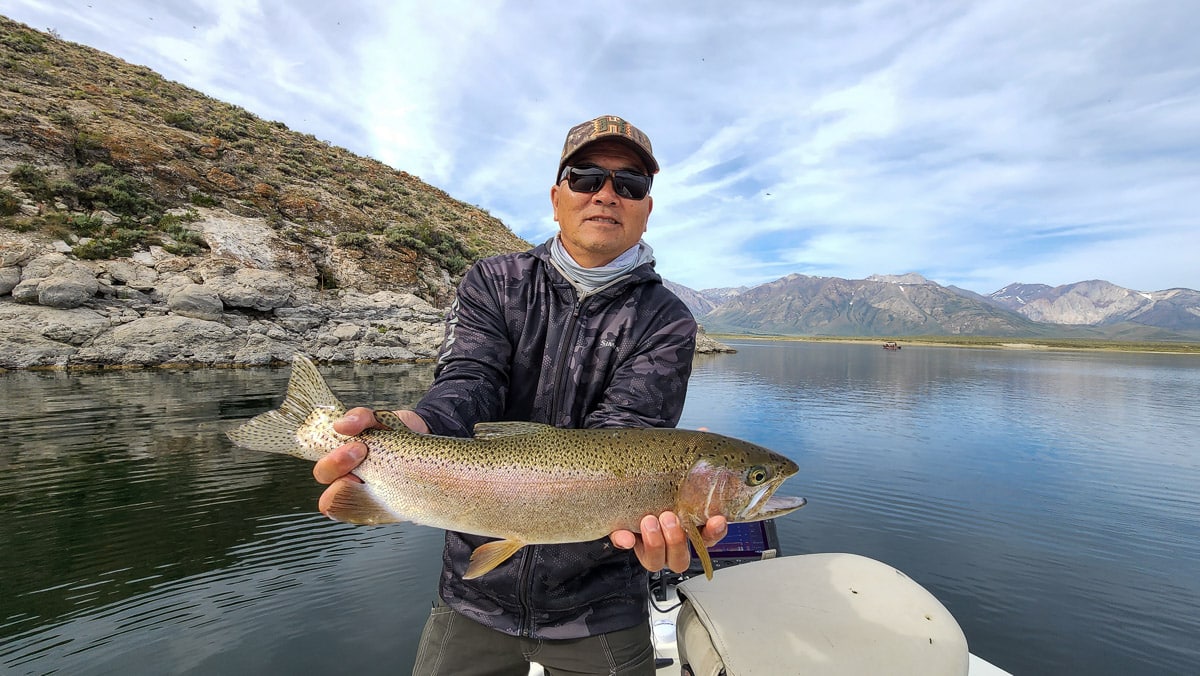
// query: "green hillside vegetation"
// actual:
[[115, 158]]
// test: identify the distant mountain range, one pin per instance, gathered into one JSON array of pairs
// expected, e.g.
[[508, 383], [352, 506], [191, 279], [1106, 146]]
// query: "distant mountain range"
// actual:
[[910, 305]]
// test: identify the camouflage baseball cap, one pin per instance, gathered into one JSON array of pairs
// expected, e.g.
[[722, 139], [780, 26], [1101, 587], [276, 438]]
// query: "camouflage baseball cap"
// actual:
[[607, 126]]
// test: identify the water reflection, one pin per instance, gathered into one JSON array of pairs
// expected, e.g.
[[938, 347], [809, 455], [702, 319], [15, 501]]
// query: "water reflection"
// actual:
[[126, 488], [1040, 495], [1048, 499]]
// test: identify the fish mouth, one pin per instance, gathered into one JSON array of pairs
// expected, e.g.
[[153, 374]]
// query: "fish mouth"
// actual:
[[765, 505]]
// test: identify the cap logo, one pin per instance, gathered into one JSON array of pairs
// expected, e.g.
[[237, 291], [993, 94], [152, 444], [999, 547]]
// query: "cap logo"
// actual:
[[610, 124]]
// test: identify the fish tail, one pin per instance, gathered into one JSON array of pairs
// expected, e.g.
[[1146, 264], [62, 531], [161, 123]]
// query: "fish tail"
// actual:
[[275, 431]]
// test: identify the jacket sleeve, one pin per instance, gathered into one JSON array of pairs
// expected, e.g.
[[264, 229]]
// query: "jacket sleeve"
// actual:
[[471, 377], [648, 388]]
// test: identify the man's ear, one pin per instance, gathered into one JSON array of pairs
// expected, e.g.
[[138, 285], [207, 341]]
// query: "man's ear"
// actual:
[[554, 200]]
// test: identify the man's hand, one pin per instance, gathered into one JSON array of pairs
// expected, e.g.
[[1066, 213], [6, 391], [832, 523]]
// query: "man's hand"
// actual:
[[342, 460], [663, 542]]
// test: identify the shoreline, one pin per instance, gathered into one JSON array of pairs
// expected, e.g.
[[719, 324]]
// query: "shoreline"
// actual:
[[991, 342]]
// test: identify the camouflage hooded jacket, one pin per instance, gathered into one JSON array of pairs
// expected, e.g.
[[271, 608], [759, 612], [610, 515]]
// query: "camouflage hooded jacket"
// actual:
[[522, 344]]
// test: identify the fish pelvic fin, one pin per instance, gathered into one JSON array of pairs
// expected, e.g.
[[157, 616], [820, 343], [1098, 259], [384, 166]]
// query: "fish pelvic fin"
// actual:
[[489, 555], [693, 534], [354, 503], [275, 431]]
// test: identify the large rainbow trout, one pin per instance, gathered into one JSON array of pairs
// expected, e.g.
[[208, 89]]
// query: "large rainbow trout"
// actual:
[[526, 483]]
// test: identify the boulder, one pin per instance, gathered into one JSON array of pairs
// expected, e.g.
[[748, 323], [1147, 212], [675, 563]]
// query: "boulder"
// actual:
[[69, 285], [26, 291], [43, 266], [260, 290], [169, 339], [35, 336], [198, 301], [131, 274], [73, 327], [9, 278]]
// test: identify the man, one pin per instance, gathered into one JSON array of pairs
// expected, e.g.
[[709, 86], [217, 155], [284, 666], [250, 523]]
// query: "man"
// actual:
[[578, 332]]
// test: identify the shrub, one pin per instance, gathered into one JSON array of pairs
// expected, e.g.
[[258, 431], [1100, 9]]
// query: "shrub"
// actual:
[[202, 199], [10, 204], [26, 224], [447, 251], [102, 186], [24, 41], [118, 242], [62, 224], [63, 117], [32, 180], [182, 120], [358, 240]]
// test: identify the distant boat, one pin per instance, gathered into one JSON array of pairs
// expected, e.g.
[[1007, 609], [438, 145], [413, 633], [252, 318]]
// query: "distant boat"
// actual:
[[891, 345]]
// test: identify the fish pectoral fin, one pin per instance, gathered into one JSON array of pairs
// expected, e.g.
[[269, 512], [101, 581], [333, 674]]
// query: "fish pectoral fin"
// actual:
[[353, 503], [488, 556], [693, 534]]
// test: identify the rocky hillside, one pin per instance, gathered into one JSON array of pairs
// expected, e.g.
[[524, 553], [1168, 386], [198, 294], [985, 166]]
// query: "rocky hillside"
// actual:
[[144, 222], [907, 305], [880, 306], [695, 300], [1100, 303]]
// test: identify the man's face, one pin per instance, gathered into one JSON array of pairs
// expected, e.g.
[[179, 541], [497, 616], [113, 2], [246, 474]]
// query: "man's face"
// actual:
[[597, 227]]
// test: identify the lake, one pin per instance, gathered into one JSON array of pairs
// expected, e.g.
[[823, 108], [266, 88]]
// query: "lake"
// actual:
[[1048, 499]]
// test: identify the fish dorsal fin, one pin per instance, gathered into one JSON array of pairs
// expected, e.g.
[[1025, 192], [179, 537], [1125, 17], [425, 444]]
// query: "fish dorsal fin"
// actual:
[[501, 430]]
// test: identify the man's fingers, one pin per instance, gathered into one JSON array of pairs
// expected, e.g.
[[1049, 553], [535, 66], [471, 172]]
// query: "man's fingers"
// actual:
[[664, 543], [678, 556], [340, 462], [651, 551], [355, 421], [714, 531], [623, 539]]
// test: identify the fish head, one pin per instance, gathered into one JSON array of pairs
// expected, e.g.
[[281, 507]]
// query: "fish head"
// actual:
[[736, 479]]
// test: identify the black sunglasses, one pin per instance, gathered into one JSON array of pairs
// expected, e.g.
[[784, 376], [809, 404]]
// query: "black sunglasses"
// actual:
[[627, 183]]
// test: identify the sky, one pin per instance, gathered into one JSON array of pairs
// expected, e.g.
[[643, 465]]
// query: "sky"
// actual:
[[977, 143]]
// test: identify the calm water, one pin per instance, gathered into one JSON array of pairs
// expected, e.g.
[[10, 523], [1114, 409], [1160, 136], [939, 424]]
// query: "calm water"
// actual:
[[1048, 499]]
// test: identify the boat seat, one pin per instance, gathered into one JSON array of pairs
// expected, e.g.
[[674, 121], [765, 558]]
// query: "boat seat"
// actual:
[[820, 614]]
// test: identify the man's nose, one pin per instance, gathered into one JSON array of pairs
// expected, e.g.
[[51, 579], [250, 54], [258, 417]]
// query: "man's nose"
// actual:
[[607, 192]]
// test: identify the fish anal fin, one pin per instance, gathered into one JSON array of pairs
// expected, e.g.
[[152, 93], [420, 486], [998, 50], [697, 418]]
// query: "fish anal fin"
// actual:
[[693, 534], [353, 503], [488, 556]]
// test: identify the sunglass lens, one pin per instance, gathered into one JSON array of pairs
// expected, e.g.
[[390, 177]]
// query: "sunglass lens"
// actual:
[[629, 184], [588, 179]]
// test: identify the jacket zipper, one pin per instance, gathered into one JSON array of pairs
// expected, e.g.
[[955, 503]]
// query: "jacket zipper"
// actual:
[[561, 365], [561, 371], [523, 584]]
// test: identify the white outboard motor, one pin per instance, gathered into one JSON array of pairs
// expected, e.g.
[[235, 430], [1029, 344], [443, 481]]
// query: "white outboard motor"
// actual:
[[828, 614]]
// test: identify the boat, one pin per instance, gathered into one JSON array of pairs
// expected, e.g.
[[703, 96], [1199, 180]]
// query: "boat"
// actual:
[[891, 345], [827, 614]]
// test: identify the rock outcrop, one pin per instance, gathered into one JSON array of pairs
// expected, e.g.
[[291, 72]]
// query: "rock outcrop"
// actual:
[[218, 309], [156, 308]]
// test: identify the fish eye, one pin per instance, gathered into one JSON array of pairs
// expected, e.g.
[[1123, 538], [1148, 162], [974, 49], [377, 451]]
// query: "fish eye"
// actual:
[[757, 475]]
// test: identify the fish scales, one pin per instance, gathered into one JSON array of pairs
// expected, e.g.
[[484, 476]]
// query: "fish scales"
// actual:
[[526, 483]]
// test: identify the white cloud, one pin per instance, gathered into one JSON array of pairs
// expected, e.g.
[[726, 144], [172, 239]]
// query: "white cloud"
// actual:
[[977, 143]]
